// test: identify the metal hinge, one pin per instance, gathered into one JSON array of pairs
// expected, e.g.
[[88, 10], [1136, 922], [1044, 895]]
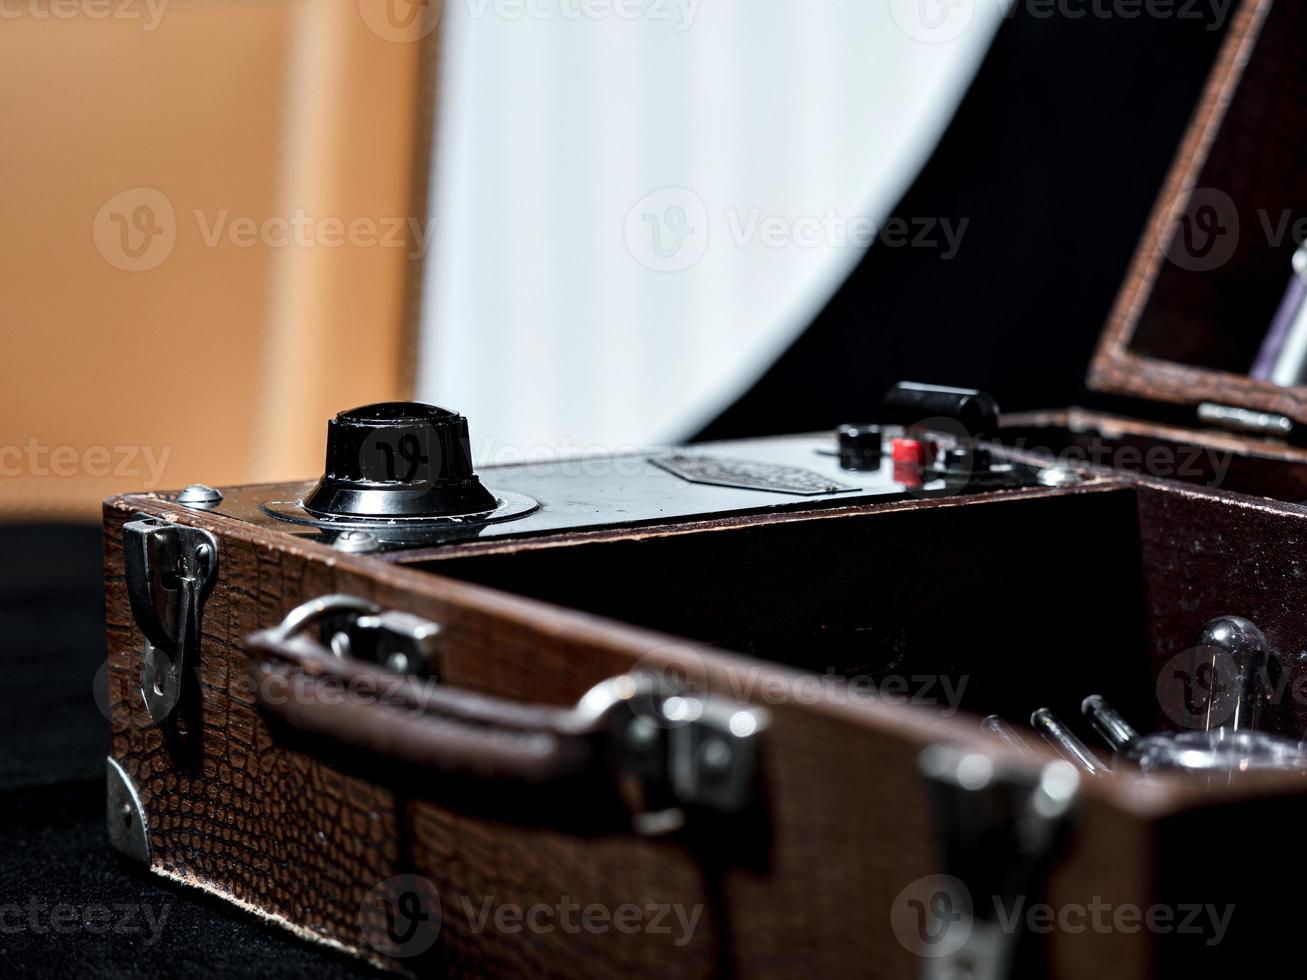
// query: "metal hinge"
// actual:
[[170, 570], [1245, 420]]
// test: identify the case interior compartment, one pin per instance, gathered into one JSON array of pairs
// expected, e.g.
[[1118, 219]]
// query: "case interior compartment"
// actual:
[[1020, 601]]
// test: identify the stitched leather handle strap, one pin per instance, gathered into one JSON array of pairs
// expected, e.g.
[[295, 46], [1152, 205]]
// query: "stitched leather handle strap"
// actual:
[[622, 727]]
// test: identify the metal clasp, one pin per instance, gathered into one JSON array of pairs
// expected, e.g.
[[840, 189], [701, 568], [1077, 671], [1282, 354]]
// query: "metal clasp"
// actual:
[[688, 753], [1000, 827], [170, 570], [356, 628]]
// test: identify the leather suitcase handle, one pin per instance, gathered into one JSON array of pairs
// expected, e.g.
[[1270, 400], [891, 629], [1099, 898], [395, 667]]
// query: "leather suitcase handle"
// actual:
[[394, 718], [619, 726]]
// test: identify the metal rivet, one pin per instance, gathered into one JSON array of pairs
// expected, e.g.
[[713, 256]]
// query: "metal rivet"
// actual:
[[200, 496], [356, 542]]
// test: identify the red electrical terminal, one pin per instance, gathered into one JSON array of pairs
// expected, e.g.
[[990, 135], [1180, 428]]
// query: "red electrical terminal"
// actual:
[[908, 455], [909, 451], [909, 474]]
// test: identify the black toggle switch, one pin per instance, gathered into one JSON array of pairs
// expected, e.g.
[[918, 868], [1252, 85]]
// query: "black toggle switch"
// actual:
[[910, 404], [398, 459]]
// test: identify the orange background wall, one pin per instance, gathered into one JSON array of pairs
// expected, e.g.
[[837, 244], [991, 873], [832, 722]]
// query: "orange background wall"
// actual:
[[142, 352]]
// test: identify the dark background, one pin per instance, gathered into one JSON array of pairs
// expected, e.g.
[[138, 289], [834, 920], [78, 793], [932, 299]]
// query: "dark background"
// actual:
[[1056, 156]]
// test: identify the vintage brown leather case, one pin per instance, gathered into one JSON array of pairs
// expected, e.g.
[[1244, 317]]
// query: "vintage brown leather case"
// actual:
[[644, 694]]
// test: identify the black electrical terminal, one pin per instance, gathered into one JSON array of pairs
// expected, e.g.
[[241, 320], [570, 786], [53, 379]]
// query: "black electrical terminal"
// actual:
[[861, 446], [398, 459]]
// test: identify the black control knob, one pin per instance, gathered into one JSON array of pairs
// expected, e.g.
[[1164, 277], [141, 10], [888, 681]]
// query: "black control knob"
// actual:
[[398, 459], [861, 446]]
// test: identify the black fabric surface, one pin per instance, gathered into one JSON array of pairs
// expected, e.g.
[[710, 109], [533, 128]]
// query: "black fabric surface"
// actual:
[[53, 849]]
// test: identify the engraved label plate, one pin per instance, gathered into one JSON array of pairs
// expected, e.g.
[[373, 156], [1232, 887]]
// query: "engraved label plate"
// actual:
[[746, 474]]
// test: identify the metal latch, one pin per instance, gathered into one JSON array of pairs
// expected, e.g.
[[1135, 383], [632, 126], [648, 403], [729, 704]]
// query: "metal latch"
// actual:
[[170, 570], [1246, 420], [688, 753], [1000, 827], [399, 641]]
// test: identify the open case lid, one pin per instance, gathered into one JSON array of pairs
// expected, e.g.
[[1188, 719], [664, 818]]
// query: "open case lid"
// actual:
[[1216, 261]]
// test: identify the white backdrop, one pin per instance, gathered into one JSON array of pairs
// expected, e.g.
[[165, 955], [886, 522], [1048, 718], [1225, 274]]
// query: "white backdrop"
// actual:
[[641, 202]]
